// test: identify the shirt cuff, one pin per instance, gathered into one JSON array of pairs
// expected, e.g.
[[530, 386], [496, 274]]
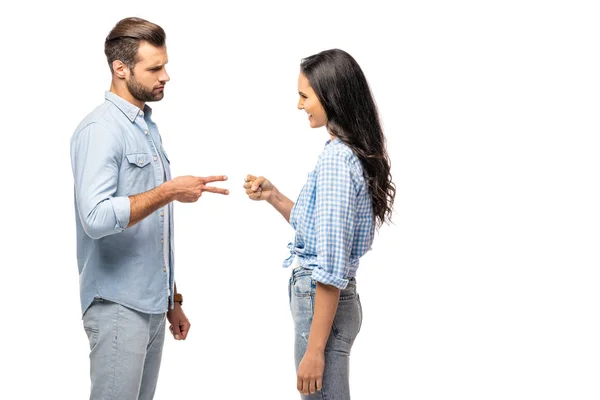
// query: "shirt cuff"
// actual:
[[326, 278], [122, 208]]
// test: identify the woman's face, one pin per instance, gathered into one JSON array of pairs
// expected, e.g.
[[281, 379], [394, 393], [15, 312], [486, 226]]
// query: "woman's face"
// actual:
[[310, 103]]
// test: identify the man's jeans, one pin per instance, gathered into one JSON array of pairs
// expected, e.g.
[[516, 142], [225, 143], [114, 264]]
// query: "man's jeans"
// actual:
[[125, 351], [346, 325]]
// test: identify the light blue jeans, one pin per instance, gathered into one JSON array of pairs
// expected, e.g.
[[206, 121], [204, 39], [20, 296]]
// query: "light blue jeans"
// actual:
[[346, 325], [125, 351]]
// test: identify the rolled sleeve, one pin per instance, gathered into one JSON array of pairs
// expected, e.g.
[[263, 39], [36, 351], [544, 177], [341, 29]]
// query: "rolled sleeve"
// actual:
[[96, 156], [122, 209], [335, 210], [327, 278]]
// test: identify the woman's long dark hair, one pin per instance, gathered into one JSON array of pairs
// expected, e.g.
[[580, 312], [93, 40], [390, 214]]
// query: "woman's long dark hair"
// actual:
[[352, 116]]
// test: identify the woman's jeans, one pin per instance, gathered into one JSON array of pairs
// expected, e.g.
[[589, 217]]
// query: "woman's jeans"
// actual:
[[346, 325]]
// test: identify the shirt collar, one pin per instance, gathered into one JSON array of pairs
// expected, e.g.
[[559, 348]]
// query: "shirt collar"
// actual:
[[332, 141], [130, 111]]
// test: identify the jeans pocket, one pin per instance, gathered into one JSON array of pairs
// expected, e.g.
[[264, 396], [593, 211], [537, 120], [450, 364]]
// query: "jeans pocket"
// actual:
[[302, 295], [90, 323], [360, 312], [92, 334], [303, 285], [290, 291], [348, 319]]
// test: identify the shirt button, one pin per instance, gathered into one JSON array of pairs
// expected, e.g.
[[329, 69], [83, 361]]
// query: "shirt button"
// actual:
[[145, 131], [155, 158], [140, 161], [164, 270], [162, 214], [162, 240], [141, 112]]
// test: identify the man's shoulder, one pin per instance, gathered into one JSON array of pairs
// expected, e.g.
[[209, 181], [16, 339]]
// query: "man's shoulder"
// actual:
[[101, 116]]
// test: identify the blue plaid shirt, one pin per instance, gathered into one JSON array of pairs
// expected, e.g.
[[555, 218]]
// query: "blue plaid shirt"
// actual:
[[333, 217]]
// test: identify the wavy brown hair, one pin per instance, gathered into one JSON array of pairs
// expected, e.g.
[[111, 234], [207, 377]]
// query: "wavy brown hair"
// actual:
[[352, 116]]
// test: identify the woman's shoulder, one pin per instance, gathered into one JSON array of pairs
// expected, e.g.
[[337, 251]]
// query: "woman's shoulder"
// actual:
[[339, 153]]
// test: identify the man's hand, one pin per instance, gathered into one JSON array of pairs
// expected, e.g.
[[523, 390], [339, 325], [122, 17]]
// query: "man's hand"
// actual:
[[188, 189], [180, 326]]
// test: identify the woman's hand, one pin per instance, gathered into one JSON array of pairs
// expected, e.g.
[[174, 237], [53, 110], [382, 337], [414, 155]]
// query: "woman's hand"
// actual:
[[258, 188]]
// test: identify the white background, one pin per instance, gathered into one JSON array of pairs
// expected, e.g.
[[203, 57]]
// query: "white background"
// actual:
[[488, 284]]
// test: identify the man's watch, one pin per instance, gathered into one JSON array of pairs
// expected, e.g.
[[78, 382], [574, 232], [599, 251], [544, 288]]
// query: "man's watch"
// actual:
[[178, 298]]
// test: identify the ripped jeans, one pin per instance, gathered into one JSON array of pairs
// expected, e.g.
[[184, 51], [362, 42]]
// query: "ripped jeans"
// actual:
[[346, 325]]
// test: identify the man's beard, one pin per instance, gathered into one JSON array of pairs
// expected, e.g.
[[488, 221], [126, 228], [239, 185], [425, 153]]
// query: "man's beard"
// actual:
[[142, 93]]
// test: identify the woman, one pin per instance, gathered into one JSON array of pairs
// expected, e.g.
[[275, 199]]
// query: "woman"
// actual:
[[348, 195]]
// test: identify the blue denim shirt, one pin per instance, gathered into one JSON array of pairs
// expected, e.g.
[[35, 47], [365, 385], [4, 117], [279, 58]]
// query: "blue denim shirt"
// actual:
[[116, 152]]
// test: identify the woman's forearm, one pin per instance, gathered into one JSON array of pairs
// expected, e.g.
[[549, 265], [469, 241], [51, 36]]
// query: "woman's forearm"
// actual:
[[281, 203], [326, 302]]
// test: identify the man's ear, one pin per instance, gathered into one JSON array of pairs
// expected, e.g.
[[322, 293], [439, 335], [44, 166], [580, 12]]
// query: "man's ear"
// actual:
[[119, 69]]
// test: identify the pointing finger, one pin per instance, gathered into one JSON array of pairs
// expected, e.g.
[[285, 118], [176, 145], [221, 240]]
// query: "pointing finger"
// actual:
[[213, 178], [214, 189]]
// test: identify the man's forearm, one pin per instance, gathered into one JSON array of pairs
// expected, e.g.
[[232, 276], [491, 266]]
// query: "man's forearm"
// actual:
[[281, 204], [146, 203]]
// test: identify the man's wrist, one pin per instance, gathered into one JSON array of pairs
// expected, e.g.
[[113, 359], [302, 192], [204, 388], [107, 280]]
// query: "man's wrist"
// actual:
[[178, 298], [169, 191]]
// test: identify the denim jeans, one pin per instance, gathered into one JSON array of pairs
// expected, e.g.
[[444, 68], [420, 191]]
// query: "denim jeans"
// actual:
[[125, 351], [346, 325]]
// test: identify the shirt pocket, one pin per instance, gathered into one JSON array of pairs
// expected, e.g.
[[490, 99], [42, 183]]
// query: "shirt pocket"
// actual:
[[139, 174], [138, 159]]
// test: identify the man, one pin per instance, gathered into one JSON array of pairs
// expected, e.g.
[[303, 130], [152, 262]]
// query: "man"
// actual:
[[124, 219]]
